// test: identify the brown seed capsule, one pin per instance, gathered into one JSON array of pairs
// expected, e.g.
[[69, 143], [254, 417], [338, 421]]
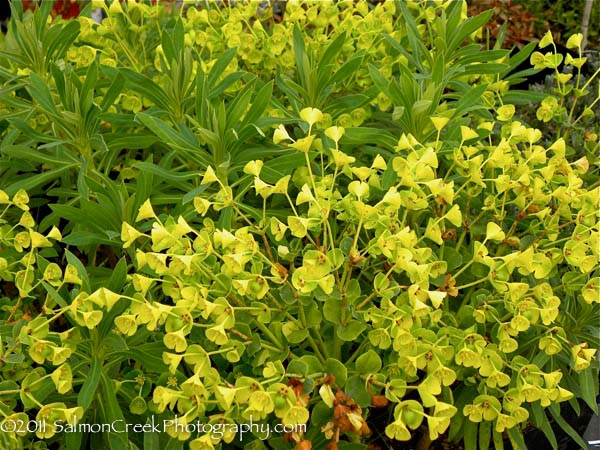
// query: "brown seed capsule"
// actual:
[[332, 446], [449, 234], [355, 259], [303, 445], [283, 273], [379, 401]]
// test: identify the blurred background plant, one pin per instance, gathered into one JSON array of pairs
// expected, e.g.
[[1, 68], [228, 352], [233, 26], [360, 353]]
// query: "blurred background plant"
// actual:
[[527, 21]]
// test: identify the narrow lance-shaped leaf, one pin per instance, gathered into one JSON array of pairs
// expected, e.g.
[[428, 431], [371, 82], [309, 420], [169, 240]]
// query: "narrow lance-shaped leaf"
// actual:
[[90, 385]]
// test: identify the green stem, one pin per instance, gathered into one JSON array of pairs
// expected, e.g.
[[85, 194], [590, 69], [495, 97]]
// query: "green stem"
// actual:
[[367, 300], [474, 283], [466, 299], [318, 350], [356, 353], [270, 335]]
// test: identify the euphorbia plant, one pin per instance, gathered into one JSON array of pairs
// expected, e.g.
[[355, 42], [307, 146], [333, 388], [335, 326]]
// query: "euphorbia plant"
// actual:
[[435, 292], [460, 295]]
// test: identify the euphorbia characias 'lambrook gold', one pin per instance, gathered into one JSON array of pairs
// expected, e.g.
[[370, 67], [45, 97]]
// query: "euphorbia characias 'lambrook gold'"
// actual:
[[315, 223], [413, 323]]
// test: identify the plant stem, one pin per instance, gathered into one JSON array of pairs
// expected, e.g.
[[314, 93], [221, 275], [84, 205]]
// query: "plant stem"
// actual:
[[367, 300], [269, 334]]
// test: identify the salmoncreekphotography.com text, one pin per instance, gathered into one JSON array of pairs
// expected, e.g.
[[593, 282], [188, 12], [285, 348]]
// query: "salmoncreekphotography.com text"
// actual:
[[152, 426]]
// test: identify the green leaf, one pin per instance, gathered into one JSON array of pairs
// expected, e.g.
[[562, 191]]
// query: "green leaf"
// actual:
[[357, 391], [277, 168], [219, 67], [379, 80], [485, 435], [516, 437], [540, 359], [172, 42], [57, 48], [60, 301], [338, 370], [174, 444], [470, 435], [364, 135], [167, 134], [90, 385], [111, 413], [189, 196], [302, 62], [452, 257], [165, 174], [87, 89], [414, 37], [554, 409], [93, 215], [30, 133], [73, 440], [314, 365], [41, 93], [297, 366], [8, 385], [498, 440], [484, 69], [224, 84], [151, 440], [346, 70], [351, 331], [483, 57], [24, 152], [290, 90], [332, 50], [368, 363], [345, 104], [85, 238], [588, 380], [145, 86], [35, 181], [294, 335], [236, 108], [260, 103], [521, 56], [59, 79], [469, 100], [148, 355], [320, 414], [32, 397], [71, 258], [113, 92], [540, 420], [413, 62], [82, 186], [468, 27], [517, 97], [135, 142], [332, 310]]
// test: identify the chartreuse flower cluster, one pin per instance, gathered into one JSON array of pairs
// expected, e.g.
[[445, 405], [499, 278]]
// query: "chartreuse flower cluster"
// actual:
[[570, 85], [262, 46], [419, 274], [31, 341], [453, 288]]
